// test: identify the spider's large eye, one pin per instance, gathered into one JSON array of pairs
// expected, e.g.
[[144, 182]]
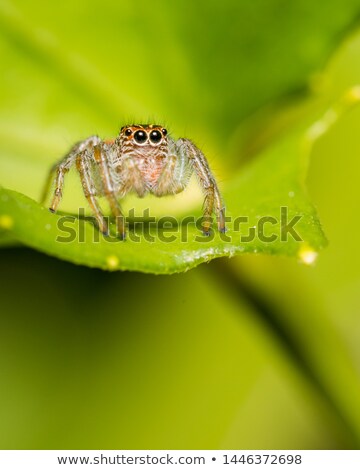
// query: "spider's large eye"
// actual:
[[140, 137], [155, 136], [128, 132]]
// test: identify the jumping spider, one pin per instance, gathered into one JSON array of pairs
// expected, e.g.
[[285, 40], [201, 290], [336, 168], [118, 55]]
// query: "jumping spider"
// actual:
[[143, 159]]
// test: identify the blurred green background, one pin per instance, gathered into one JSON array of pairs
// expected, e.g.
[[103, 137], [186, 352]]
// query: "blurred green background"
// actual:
[[253, 352]]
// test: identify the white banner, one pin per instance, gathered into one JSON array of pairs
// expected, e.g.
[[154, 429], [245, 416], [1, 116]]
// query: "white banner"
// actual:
[[206, 459]]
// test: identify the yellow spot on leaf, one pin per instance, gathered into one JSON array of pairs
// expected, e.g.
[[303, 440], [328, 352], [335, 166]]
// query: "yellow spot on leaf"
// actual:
[[307, 255], [6, 222], [112, 262]]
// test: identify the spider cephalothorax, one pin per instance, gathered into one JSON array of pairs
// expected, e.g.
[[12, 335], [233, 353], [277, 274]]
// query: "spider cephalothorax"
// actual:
[[142, 159]]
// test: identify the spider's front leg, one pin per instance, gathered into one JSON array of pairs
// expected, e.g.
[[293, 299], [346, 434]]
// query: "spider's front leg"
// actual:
[[108, 186], [80, 154], [174, 177], [61, 168], [83, 165], [186, 148]]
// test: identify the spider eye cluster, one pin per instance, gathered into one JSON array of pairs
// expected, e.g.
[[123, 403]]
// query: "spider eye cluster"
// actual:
[[141, 136]]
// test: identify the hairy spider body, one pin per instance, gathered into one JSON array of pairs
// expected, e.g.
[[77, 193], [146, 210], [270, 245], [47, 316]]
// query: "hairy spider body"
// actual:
[[142, 159]]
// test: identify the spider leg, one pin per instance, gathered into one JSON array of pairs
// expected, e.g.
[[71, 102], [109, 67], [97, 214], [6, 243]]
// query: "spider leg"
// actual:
[[61, 168], [48, 183], [207, 182], [100, 158], [167, 183], [175, 174], [84, 169], [131, 178], [174, 177]]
